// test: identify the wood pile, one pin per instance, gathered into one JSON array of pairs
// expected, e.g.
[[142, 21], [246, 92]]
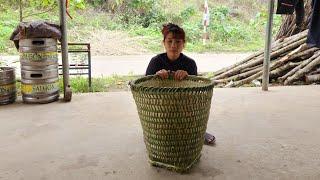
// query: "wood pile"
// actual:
[[288, 26], [292, 62]]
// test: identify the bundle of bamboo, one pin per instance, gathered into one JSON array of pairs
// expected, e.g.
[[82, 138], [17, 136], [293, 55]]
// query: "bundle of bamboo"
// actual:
[[292, 61], [288, 26]]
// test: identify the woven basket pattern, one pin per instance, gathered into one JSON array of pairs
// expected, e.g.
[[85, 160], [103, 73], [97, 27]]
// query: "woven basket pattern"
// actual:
[[174, 117]]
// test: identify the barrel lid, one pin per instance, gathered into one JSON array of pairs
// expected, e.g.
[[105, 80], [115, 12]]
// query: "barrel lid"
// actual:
[[6, 69], [7, 75]]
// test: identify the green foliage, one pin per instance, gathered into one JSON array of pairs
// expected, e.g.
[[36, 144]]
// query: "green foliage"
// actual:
[[96, 3], [43, 3], [228, 30], [193, 31], [231, 33], [152, 18], [139, 12], [188, 12], [79, 84], [219, 14], [79, 4], [141, 5], [4, 32], [224, 29], [9, 21]]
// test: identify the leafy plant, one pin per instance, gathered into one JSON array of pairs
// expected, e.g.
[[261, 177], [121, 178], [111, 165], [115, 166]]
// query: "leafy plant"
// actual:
[[79, 84]]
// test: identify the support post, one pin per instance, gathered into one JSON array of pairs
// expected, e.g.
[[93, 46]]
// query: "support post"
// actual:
[[267, 51], [205, 34], [64, 51], [206, 19], [89, 63]]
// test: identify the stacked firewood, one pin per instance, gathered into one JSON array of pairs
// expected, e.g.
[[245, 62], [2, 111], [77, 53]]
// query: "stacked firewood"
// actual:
[[292, 62], [288, 26]]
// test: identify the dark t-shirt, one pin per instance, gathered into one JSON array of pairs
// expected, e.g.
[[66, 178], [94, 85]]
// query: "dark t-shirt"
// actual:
[[161, 61]]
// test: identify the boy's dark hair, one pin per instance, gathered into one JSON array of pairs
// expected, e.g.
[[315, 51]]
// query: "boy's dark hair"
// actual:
[[177, 31]]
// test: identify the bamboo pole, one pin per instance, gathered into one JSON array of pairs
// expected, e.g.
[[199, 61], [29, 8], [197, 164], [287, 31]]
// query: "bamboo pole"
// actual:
[[312, 78], [278, 71], [313, 62], [259, 61], [279, 44]]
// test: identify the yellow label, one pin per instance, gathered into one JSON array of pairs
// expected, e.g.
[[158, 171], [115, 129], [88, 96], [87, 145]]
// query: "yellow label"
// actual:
[[38, 56], [9, 88], [39, 88]]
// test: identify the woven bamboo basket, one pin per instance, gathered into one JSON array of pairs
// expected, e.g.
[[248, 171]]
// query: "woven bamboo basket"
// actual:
[[174, 116]]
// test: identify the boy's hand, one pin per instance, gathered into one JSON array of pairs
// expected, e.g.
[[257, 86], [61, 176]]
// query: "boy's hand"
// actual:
[[180, 75], [164, 74]]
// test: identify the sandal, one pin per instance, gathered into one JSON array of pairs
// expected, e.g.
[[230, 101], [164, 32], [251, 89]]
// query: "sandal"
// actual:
[[209, 139]]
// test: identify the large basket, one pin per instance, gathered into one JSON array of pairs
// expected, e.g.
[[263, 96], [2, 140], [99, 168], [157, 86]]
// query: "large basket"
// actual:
[[174, 117]]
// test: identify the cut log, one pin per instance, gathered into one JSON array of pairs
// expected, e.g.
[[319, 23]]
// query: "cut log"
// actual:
[[290, 55], [252, 77], [280, 70], [312, 78], [258, 61], [239, 76], [291, 60], [238, 63], [288, 26], [251, 68], [247, 80], [279, 44], [317, 71], [303, 64], [294, 70], [300, 73]]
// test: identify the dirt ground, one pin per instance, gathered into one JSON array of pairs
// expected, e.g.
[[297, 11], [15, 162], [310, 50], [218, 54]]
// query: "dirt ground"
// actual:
[[105, 43]]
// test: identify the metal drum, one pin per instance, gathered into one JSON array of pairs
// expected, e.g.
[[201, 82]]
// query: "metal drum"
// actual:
[[7, 85], [39, 70]]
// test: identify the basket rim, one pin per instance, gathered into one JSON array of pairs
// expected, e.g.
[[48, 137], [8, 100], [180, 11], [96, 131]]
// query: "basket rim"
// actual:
[[136, 86]]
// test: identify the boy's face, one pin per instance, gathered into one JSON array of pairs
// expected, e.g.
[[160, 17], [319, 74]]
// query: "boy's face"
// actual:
[[173, 46]]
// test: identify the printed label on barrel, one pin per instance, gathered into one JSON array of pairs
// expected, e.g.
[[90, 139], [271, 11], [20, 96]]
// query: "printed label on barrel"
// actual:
[[39, 56], [6, 89], [39, 88]]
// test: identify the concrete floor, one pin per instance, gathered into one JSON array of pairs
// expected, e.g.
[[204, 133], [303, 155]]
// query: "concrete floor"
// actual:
[[260, 135]]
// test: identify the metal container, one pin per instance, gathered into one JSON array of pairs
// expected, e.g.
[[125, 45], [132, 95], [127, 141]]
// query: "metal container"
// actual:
[[7, 85], [39, 70]]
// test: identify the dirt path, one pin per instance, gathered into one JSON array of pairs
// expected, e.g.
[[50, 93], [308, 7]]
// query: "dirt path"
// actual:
[[115, 43], [137, 64]]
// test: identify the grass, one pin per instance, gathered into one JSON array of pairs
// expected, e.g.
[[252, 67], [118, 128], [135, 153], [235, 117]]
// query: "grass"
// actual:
[[79, 84], [102, 84], [9, 21]]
